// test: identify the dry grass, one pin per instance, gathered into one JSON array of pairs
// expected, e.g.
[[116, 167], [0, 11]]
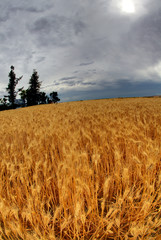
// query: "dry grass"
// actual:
[[81, 170]]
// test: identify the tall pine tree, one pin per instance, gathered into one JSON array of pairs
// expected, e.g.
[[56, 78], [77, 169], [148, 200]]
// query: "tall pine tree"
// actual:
[[11, 89], [33, 92]]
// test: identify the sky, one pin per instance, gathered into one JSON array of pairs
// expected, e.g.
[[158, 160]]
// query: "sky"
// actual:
[[83, 49]]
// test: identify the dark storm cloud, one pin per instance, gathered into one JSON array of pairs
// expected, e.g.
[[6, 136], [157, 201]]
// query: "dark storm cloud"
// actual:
[[124, 88], [127, 88], [86, 63], [89, 83]]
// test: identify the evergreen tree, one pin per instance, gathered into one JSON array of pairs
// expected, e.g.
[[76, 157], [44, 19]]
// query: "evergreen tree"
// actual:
[[11, 89], [42, 98], [54, 97], [33, 92]]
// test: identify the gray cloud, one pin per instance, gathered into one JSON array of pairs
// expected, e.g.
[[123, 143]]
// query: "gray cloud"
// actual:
[[79, 27], [89, 83], [2, 93], [54, 30], [69, 83], [27, 9], [68, 78], [40, 25], [86, 63], [40, 59]]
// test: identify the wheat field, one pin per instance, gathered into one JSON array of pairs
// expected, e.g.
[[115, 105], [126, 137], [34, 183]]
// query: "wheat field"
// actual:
[[81, 170]]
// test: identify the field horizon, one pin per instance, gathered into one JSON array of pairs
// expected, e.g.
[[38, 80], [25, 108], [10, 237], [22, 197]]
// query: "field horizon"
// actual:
[[88, 169]]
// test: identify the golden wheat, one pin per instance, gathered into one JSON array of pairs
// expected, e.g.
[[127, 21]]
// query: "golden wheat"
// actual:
[[81, 170]]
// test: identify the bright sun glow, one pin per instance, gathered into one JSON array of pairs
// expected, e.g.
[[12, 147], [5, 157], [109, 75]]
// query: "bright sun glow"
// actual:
[[128, 6]]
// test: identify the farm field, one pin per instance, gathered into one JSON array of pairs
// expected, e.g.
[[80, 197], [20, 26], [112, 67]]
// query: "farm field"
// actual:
[[81, 170]]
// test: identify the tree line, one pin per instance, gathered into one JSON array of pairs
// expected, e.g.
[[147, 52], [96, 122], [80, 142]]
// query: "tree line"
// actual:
[[29, 97]]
